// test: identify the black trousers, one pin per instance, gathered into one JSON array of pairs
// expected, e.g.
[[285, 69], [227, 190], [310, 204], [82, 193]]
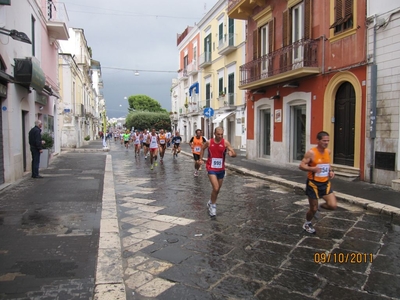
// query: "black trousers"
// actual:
[[35, 161]]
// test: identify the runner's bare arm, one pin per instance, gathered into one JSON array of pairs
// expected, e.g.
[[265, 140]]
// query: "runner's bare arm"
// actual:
[[306, 160], [231, 151], [203, 148]]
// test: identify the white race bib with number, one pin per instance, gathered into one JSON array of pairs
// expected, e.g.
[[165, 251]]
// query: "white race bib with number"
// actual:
[[324, 170], [162, 142], [197, 149], [216, 163]]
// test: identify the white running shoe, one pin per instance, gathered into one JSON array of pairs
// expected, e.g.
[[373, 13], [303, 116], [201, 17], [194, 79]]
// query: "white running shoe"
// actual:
[[212, 209], [307, 226], [196, 174]]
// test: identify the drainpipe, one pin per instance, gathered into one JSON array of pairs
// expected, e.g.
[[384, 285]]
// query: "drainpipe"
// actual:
[[374, 84]]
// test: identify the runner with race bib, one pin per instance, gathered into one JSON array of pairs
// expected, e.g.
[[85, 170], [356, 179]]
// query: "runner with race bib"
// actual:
[[196, 143], [217, 149]]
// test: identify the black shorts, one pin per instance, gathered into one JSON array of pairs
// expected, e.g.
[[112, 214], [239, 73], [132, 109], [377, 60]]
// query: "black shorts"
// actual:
[[196, 156], [176, 145], [146, 145], [126, 142], [317, 190]]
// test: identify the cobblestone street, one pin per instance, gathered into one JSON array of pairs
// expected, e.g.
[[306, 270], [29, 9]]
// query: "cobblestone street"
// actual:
[[254, 249]]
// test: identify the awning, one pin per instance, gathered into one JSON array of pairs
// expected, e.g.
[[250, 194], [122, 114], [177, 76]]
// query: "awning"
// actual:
[[222, 117], [194, 86], [28, 73]]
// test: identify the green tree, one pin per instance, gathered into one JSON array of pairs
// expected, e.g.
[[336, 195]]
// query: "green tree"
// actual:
[[148, 120], [144, 103]]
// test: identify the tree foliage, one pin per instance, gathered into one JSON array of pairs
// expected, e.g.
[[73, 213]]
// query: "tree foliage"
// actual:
[[144, 103], [148, 120]]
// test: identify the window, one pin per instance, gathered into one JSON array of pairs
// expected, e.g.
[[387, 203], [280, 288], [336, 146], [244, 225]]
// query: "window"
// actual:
[[231, 88], [231, 31], [297, 32], [208, 94], [33, 35], [343, 16], [264, 46], [221, 86], [221, 33], [207, 48], [185, 64]]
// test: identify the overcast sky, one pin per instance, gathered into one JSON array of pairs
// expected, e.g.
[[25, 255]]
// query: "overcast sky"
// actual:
[[135, 35]]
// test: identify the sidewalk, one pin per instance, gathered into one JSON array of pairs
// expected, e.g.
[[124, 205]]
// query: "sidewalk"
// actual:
[[381, 199]]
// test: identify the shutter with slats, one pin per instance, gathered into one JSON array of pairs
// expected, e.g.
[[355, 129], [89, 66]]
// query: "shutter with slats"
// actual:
[[339, 10], [271, 30], [285, 38], [307, 31], [307, 19], [255, 72]]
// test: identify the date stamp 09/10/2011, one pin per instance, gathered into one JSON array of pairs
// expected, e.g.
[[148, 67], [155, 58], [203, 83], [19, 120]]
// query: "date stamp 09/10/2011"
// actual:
[[343, 258]]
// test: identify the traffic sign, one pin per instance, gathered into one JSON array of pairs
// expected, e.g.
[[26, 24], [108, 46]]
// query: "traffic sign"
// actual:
[[208, 112]]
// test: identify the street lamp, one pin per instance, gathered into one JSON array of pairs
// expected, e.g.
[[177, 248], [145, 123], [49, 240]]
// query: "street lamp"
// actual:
[[16, 35]]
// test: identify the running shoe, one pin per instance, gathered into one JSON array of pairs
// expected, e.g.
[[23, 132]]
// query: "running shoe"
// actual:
[[145, 157], [155, 164], [151, 168], [212, 209], [176, 155], [196, 173], [307, 226], [200, 168]]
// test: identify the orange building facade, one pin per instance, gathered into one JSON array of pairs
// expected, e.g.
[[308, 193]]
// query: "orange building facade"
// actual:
[[305, 71]]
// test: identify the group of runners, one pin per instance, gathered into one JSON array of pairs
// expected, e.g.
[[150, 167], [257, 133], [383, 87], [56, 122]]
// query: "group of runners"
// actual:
[[153, 143], [316, 162]]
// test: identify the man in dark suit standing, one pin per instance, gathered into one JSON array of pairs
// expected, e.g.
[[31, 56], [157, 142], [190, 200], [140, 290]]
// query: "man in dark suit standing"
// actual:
[[35, 141]]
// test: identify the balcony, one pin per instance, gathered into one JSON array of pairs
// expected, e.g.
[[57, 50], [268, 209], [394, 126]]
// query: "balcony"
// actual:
[[57, 21], [194, 104], [292, 62], [227, 44], [182, 75], [192, 68], [243, 9], [227, 100], [205, 60]]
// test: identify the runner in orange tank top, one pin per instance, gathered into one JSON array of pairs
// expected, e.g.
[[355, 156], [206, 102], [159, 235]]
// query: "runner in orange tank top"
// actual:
[[317, 162]]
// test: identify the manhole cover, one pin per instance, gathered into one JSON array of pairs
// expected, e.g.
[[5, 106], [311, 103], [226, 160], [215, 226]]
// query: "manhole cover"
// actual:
[[171, 241]]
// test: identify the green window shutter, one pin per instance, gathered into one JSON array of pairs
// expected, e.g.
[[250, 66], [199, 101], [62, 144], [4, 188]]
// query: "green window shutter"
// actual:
[[5, 2]]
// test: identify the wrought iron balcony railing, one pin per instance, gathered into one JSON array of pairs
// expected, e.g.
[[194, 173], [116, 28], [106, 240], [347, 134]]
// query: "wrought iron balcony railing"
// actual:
[[303, 53]]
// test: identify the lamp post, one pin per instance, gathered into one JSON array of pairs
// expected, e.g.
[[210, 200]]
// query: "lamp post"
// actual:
[[16, 35]]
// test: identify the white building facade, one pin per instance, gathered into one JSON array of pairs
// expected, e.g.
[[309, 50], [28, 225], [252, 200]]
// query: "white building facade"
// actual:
[[29, 81], [383, 131]]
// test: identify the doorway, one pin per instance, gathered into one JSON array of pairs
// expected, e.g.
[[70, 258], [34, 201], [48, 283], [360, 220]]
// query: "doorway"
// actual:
[[265, 129], [298, 132], [345, 103]]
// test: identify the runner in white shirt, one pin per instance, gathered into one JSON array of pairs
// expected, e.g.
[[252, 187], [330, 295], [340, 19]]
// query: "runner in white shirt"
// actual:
[[145, 144], [152, 140], [136, 142]]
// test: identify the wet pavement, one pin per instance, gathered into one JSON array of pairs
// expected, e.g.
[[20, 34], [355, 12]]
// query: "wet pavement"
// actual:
[[49, 231], [254, 249], [102, 225]]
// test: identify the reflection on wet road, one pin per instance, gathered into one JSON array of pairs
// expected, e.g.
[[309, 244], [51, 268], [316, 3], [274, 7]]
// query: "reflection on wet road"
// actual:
[[254, 249]]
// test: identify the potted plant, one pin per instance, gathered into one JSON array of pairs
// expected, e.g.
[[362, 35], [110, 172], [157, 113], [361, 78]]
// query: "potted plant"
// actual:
[[47, 145]]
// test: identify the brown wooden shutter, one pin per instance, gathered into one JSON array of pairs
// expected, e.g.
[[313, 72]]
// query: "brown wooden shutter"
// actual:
[[255, 44], [307, 19], [348, 8], [285, 25], [338, 10], [271, 43], [271, 30]]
